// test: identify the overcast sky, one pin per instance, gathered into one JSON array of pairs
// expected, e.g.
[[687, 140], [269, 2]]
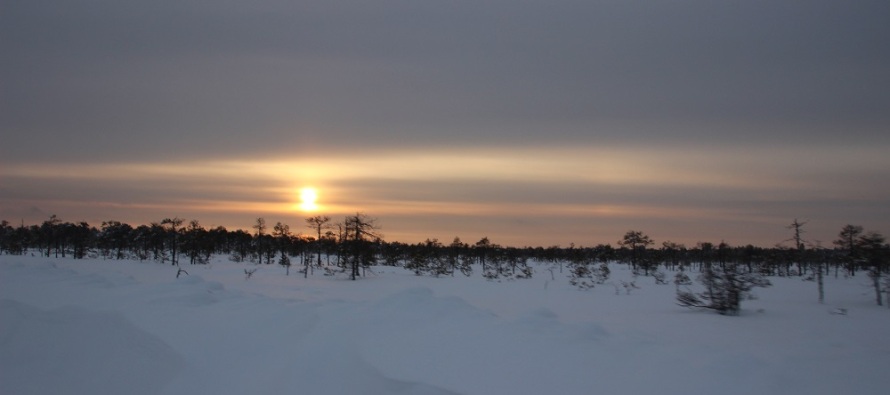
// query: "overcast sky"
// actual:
[[530, 122]]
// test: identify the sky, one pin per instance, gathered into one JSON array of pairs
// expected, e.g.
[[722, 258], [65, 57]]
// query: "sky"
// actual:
[[532, 123]]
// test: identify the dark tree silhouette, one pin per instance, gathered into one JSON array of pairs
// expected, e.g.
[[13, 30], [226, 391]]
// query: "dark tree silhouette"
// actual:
[[283, 240], [196, 243], [318, 223], [360, 234], [725, 288], [171, 228], [874, 256], [848, 242], [637, 242], [261, 241], [115, 237]]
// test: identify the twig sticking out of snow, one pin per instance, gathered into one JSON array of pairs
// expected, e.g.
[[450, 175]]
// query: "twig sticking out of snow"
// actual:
[[628, 286], [838, 311]]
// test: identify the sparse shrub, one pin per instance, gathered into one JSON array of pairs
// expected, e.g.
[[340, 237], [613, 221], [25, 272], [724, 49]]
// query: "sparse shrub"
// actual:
[[586, 275], [284, 260], [681, 278], [725, 287], [629, 286], [660, 277]]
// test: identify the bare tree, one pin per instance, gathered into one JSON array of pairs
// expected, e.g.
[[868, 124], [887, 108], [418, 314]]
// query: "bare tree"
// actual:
[[171, 225], [797, 227], [260, 226], [282, 235], [318, 223], [260, 240], [799, 256], [359, 233]]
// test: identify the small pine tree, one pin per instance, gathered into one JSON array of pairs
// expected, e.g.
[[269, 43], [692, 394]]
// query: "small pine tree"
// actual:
[[586, 275], [660, 277], [580, 276], [417, 263], [465, 265], [681, 278], [284, 260], [724, 289]]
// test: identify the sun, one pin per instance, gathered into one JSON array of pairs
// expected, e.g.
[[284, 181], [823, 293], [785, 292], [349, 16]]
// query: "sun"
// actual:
[[308, 196]]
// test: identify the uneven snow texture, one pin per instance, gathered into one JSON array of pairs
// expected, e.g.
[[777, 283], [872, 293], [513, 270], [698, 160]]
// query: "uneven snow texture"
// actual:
[[71, 350], [94, 326]]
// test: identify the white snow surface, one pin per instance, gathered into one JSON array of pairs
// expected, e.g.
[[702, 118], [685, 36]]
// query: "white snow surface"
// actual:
[[112, 327]]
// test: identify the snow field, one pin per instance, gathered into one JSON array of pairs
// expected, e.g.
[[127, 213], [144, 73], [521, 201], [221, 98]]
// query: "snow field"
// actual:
[[94, 326]]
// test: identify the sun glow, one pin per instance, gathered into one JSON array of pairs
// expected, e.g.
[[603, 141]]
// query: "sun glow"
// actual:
[[308, 196]]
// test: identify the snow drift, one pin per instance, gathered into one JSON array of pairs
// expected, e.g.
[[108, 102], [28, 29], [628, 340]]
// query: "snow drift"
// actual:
[[94, 326]]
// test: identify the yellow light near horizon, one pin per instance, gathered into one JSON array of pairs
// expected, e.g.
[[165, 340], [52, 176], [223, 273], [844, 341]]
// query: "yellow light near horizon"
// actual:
[[308, 196]]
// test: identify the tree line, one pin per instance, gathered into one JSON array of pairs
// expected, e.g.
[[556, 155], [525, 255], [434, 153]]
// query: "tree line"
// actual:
[[354, 244]]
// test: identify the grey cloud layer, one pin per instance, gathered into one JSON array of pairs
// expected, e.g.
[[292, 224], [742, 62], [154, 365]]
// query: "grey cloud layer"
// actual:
[[167, 79]]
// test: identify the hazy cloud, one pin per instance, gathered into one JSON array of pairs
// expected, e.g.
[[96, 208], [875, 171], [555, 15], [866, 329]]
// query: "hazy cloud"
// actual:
[[775, 105]]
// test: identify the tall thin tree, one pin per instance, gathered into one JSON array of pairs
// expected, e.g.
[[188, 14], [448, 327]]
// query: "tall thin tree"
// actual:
[[318, 223]]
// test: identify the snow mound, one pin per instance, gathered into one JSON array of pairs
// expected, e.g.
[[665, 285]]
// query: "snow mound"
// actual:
[[419, 304], [79, 351], [545, 322], [193, 291]]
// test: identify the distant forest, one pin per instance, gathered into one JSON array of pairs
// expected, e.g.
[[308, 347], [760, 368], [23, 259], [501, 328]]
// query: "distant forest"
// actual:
[[354, 244]]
